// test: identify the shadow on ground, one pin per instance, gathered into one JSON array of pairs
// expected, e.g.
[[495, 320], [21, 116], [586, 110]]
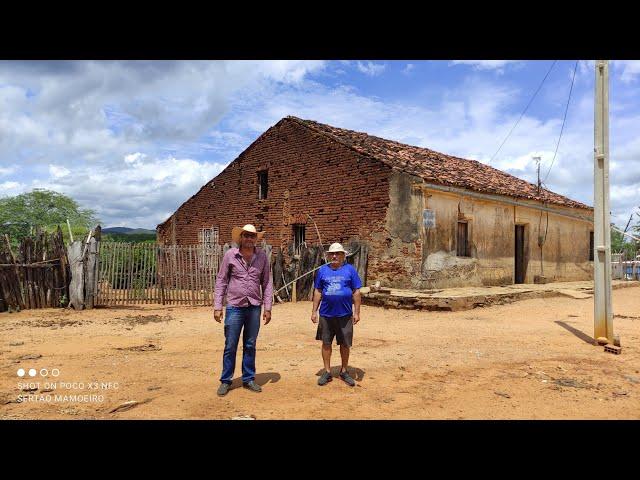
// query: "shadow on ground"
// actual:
[[356, 373], [581, 335], [261, 379]]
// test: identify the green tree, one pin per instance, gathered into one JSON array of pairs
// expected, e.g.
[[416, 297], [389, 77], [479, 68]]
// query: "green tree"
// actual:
[[617, 241], [623, 244], [129, 237], [635, 231], [46, 209]]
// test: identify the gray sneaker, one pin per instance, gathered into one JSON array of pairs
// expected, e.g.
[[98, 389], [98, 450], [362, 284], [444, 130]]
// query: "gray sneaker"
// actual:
[[253, 386], [347, 379], [325, 378], [223, 389]]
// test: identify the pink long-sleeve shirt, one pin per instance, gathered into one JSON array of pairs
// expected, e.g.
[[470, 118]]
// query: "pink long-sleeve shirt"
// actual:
[[241, 282]]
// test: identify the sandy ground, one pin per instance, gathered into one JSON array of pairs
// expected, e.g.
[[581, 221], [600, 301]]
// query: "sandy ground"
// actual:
[[533, 359]]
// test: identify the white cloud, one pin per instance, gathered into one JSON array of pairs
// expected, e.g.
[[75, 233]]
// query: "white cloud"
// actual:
[[134, 158], [497, 65], [6, 171], [371, 69], [630, 69], [11, 189], [93, 110], [58, 172], [138, 195], [289, 71], [408, 68]]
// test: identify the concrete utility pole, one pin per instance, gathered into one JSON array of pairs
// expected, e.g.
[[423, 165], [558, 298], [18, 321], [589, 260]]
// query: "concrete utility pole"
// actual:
[[603, 316]]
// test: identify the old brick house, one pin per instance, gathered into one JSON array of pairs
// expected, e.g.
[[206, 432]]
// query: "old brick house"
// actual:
[[429, 219]]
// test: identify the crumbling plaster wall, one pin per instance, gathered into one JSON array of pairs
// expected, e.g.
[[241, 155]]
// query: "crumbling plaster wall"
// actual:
[[413, 256]]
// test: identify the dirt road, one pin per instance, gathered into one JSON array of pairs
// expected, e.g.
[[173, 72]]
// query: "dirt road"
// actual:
[[532, 359]]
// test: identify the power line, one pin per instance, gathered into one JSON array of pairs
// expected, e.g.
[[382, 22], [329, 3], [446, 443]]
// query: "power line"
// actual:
[[563, 120], [524, 111]]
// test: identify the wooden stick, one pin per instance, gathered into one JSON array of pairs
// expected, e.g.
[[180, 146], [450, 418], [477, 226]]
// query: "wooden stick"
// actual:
[[182, 277], [181, 274], [168, 277], [176, 271], [148, 280], [130, 290], [176, 282], [176, 267], [110, 279], [114, 261], [152, 274], [187, 277], [191, 279], [145, 273], [196, 271], [121, 253], [194, 274], [18, 291], [125, 272], [160, 271], [97, 268], [129, 275], [116, 273], [26, 249]]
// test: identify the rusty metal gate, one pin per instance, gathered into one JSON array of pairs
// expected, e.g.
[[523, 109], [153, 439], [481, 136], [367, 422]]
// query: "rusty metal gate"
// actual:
[[135, 273]]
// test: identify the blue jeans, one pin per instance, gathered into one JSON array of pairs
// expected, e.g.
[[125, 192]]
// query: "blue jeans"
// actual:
[[234, 320]]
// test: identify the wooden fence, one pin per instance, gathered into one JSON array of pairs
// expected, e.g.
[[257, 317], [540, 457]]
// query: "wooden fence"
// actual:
[[94, 273], [307, 259], [36, 275], [135, 273]]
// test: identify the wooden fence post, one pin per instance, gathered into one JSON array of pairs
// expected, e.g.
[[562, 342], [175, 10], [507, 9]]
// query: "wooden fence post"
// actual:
[[160, 272], [76, 287], [91, 274]]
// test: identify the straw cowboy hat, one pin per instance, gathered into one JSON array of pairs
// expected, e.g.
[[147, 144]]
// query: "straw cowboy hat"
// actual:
[[336, 247], [235, 233]]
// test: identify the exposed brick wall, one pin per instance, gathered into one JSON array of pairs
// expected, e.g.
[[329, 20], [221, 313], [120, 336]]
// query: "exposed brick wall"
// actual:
[[346, 194]]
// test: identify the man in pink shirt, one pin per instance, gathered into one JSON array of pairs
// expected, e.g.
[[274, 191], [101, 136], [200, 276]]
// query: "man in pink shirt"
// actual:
[[245, 279]]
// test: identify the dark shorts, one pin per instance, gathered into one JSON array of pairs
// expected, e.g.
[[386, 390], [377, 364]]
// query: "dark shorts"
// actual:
[[339, 327]]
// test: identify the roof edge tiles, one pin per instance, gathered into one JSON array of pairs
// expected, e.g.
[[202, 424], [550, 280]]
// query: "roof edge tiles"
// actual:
[[439, 168]]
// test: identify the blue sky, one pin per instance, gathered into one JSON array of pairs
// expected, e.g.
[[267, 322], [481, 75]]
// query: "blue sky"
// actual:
[[134, 139]]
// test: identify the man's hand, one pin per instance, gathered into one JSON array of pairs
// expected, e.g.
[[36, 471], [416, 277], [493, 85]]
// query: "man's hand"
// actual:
[[314, 317], [266, 316], [356, 318], [217, 314]]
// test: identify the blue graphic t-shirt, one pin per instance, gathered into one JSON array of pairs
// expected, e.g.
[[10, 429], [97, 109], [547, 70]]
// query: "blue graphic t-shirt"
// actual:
[[337, 288]]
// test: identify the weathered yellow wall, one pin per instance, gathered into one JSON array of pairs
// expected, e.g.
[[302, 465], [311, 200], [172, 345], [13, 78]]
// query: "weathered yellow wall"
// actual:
[[428, 256]]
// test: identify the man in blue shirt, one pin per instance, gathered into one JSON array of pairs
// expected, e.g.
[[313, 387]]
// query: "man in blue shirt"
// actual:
[[338, 286]]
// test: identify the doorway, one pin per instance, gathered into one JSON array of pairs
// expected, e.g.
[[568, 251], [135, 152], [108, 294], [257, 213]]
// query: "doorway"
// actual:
[[519, 255]]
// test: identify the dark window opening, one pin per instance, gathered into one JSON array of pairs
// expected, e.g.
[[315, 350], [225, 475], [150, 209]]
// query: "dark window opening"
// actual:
[[520, 267], [298, 238], [462, 249], [262, 184], [591, 246]]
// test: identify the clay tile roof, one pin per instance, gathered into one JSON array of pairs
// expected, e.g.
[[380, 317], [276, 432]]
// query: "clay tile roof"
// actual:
[[439, 168]]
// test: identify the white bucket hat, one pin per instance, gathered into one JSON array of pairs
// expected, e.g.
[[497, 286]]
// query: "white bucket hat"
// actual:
[[336, 247], [237, 231]]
